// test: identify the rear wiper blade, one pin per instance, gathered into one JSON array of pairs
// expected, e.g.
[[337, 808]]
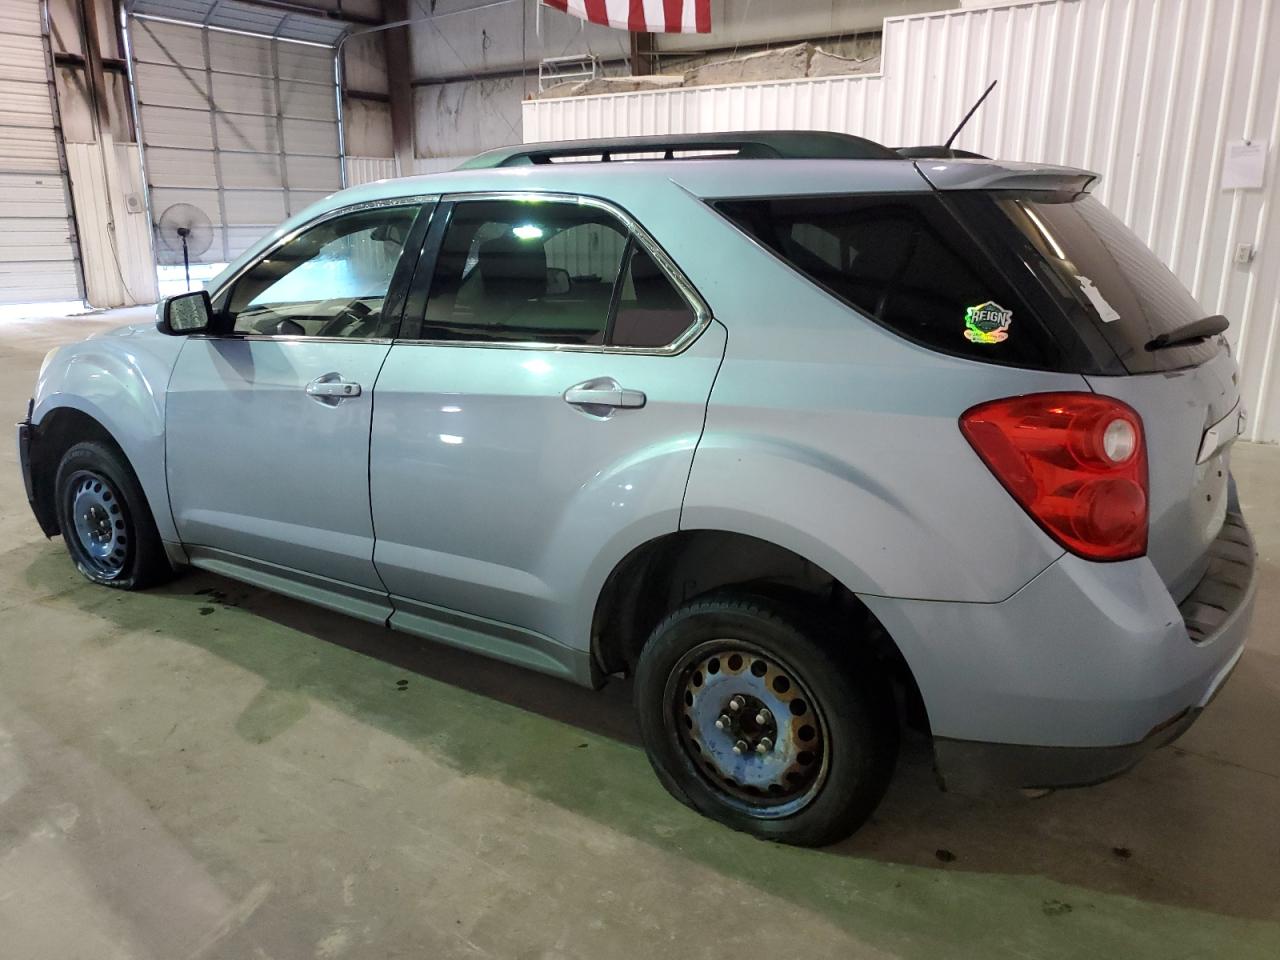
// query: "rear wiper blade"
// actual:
[[1193, 332]]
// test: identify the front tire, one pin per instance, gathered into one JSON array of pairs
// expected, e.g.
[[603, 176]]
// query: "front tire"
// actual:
[[753, 721], [105, 521]]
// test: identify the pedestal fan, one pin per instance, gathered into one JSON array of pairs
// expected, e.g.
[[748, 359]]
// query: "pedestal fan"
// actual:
[[185, 229]]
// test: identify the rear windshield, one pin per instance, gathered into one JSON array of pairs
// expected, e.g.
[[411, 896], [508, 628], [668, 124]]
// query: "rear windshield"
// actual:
[[1096, 269], [907, 263]]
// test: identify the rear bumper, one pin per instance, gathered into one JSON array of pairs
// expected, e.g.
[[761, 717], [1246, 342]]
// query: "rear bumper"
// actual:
[[1078, 675]]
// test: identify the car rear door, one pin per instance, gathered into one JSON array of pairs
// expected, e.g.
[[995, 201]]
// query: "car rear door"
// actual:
[[267, 423], [536, 421]]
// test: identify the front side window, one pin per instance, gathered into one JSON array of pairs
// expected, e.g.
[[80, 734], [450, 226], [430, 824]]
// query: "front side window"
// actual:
[[329, 281], [548, 271]]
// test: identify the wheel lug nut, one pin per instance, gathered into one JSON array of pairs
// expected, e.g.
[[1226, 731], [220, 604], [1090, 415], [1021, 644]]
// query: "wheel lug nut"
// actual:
[[764, 746], [763, 717], [736, 704], [723, 722], [740, 747]]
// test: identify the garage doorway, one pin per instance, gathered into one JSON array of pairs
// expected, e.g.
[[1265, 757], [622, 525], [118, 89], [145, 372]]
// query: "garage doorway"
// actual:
[[242, 127], [37, 234]]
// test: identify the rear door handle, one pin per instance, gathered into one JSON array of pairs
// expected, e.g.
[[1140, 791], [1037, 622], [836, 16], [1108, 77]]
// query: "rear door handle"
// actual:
[[603, 393], [331, 388]]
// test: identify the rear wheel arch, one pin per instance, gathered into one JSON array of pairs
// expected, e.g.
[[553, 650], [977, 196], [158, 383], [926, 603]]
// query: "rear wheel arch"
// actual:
[[662, 574]]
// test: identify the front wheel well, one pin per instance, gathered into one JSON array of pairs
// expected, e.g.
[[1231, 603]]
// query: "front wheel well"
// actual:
[[668, 571], [53, 437]]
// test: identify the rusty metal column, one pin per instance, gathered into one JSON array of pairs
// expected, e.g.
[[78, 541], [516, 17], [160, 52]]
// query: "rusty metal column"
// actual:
[[399, 76]]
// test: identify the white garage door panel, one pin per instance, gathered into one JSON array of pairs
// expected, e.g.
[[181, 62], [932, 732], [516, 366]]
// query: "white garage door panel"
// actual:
[[309, 101], [162, 198], [19, 283], [244, 94], [236, 53], [300, 62], [301, 199], [311, 137], [167, 43], [313, 173], [37, 256], [251, 170], [173, 127], [27, 150], [255, 134], [172, 86], [263, 146], [255, 206], [179, 168]]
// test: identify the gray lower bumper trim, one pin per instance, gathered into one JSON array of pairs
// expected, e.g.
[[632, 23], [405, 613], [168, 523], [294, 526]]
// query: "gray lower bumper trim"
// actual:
[[970, 767]]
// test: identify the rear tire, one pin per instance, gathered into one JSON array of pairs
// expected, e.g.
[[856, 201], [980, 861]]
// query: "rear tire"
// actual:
[[815, 728], [105, 521]]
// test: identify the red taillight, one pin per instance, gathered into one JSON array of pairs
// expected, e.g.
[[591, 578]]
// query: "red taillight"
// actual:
[[1076, 462]]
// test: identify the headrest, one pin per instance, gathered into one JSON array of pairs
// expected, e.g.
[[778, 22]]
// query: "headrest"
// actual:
[[507, 262]]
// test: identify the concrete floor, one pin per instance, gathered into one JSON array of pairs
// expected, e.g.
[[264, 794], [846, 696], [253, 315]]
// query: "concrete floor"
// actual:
[[208, 770]]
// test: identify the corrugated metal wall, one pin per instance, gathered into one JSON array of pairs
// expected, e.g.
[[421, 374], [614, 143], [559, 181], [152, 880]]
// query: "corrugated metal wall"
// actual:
[[243, 127], [37, 252], [117, 259], [1146, 92], [368, 169]]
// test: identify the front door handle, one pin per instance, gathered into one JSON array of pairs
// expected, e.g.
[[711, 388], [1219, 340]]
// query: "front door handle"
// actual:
[[603, 394], [332, 389]]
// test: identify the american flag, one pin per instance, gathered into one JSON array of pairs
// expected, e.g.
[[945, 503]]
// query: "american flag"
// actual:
[[653, 16]]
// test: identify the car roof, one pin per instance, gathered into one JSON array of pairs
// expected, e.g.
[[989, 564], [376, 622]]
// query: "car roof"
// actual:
[[720, 178]]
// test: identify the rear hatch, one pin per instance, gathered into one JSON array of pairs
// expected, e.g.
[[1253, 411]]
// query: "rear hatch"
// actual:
[[1104, 290]]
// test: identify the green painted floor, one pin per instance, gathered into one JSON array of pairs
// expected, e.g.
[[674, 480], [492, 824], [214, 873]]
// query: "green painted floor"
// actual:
[[207, 770]]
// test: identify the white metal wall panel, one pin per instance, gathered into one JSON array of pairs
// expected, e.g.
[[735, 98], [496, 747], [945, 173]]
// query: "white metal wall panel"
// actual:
[[1146, 92], [37, 253], [369, 169], [117, 256], [243, 127]]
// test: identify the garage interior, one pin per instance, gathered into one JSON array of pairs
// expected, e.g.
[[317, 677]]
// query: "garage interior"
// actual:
[[209, 770]]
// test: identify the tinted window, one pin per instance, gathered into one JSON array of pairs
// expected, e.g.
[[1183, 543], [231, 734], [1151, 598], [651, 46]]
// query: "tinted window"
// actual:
[[651, 312], [518, 271], [1099, 271], [548, 271], [905, 262], [329, 281]]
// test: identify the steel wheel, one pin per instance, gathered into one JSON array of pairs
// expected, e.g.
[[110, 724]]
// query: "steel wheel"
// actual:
[[101, 529], [750, 726]]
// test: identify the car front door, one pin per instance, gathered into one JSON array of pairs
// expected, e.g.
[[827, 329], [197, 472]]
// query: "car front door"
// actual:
[[536, 420], [267, 422]]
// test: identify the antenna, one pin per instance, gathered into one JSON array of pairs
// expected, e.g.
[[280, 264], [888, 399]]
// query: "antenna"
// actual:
[[972, 110]]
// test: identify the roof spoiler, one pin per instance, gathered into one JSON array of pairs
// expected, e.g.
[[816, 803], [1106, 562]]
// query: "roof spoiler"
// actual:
[[966, 174], [756, 145]]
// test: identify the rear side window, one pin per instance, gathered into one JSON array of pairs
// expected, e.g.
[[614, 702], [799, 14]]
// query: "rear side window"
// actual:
[[1097, 270], [907, 264], [555, 272]]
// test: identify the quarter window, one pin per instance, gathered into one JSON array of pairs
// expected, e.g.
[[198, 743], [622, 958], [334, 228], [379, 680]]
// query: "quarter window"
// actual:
[[907, 264], [329, 281], [555, 272]]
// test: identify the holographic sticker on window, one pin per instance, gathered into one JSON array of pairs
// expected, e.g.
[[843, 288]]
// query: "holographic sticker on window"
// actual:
[[987, 323]]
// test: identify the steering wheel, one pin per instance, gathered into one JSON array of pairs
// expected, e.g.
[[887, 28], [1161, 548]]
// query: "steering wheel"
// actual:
[[356, 310]]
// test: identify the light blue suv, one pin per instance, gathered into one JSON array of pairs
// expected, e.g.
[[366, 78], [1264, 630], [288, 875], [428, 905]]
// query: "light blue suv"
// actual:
[[811, 438]]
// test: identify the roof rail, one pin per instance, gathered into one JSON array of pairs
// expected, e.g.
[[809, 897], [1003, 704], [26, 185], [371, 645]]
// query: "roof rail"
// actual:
[[757, 145]]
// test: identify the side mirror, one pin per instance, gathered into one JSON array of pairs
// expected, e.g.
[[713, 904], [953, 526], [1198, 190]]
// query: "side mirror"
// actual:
[[558, 282], [185, 314]]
